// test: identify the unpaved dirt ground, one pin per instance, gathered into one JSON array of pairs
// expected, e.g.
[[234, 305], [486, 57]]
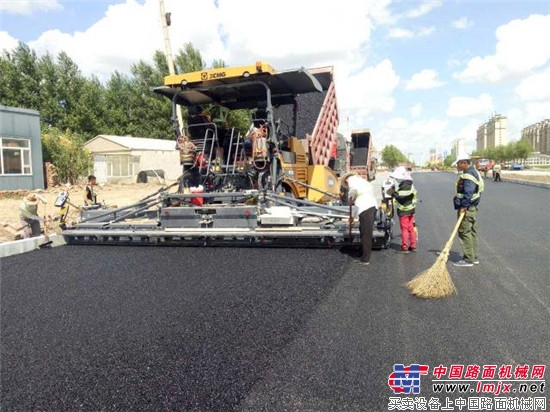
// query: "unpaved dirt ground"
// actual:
[[114, 195], [529, 176]]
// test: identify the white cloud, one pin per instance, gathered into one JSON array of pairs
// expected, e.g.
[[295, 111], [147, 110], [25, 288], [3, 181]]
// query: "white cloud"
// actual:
[[367, 92], [426, 31], [519, 50], [535, 87], [397, 124], [29, 6], [462, 23], [536, 111], [286, 37], [468, 106], [468, 133], [426, 79], [8, 43], [398, 33], [110, 44], [453, 63], [379, 13], [415, 137], [423, 9], [417, 110]]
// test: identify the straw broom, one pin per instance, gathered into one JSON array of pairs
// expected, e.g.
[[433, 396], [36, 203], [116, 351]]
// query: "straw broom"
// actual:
[[436, 281]]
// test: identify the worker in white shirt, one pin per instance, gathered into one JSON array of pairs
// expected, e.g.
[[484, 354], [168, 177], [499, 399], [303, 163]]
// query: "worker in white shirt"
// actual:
[[361, 194]]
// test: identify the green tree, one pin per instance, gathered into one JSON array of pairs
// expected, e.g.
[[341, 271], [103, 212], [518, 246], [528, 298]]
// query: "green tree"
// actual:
[[523, 149], [125, 105], [118, 105], [218, 64], [8, 79], [449, 160], [150, 112], [88, 114], [65, 151], [52, 112], [189, 59], [19, 79], [500, 153], [69, 92], [392, 156]]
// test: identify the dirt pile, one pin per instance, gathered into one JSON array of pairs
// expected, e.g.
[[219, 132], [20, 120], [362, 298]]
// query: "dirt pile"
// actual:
[[112, 194]]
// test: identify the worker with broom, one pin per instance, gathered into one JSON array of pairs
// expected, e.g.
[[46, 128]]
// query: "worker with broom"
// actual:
[[469, 187], [435, 282], [361, 194]]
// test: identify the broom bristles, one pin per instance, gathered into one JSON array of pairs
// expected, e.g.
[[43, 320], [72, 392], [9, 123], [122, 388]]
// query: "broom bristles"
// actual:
[[436, 282]]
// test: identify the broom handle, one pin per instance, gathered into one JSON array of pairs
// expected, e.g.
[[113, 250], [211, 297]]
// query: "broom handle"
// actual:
[[449, 243]]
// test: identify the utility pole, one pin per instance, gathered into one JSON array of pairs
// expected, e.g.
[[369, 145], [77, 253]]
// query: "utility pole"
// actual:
[[166, 21]]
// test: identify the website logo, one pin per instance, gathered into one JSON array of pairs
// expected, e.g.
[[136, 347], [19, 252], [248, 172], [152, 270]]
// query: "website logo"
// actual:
[[406, 379]]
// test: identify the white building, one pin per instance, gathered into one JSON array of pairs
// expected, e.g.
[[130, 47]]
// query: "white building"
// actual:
[[538, 135], [537, 159], [123, 157], [492, 134]]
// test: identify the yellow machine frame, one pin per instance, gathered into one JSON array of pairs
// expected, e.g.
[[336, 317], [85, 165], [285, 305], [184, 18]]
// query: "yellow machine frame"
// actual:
[[218, 74]]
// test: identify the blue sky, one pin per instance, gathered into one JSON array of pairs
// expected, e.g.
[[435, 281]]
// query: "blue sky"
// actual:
[[419, 74]]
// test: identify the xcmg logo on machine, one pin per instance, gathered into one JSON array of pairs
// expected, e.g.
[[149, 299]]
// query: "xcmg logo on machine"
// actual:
[[212, 76]]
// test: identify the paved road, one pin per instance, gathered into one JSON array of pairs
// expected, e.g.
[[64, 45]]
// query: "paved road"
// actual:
[[138, 328]]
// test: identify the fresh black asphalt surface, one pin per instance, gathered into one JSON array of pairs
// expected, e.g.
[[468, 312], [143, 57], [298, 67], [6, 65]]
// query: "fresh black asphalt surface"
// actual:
[[223, 329]]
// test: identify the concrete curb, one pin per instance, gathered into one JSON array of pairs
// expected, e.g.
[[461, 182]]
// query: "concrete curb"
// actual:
[[527, 183], [28, 245]]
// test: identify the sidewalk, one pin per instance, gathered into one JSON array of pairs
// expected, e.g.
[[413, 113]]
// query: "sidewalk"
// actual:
[[27, 245]]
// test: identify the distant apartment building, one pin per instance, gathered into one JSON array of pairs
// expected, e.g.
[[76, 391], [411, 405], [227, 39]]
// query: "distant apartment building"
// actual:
[[458, 147], [434, 157], [538, 135], [493, 133], [481, 141]]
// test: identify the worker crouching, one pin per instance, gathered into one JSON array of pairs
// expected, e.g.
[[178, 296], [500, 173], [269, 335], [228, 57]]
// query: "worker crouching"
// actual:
[[28, 210]]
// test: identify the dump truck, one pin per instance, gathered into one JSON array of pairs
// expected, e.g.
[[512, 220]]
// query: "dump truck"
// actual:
[[361, 154], [270, 185]]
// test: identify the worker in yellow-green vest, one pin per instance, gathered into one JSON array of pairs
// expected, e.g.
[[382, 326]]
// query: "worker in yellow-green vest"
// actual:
[[405, 196], [469, 187]]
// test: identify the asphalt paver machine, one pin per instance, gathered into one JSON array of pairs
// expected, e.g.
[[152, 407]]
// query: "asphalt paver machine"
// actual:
[[271, 185]]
